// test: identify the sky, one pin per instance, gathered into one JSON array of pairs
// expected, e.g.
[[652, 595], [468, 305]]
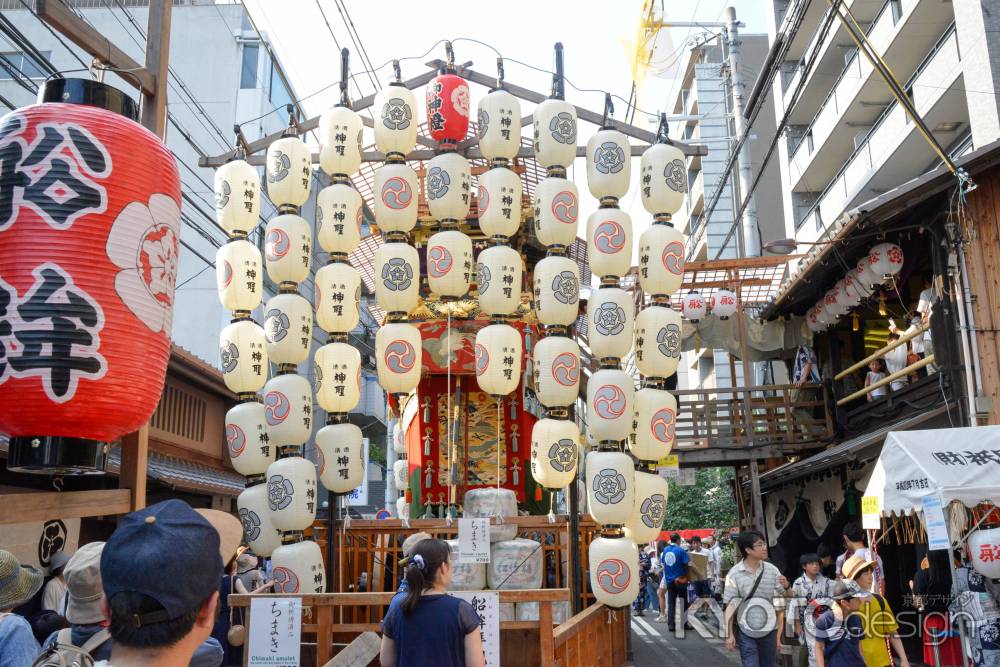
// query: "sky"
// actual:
[[594, 34]]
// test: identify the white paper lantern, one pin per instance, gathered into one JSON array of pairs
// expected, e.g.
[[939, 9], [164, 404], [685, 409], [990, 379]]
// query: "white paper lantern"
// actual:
[[498, 359], [984, 547], [609, 242], [557, 291], [864, 276], [694, 306], [237, 197], [658, 341], [611, 322], [288, 324], [243, 356], [337, 294], [499, 123], [239, 275], [401, 473], [609, 164], [491, 503], [654, 425], [337, 376], [288, 409], [288, 248], [340, 133], [298, 568], [247, 441], [397, 277], [288, 172], [499, 277], [555, 133], [399, 439], [556, 211], [663, 179], [610, 400], [449, 263], [831, 304], [813, 321], [661, 260], [338, 218], [885, 260], [398, 356], [610, 487], [614, 571], [556, 367], [395, 196], [646, 522], [824, 318], [448, 186], [340, 457], [723, 303], [499, 203], [555, 450], [846, 294], [860, 285], [258, 529], [291, 493], [396, 124]]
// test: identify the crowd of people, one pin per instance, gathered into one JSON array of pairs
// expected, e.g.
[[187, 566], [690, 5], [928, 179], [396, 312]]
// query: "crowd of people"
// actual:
[[834, 612], [156, 593]]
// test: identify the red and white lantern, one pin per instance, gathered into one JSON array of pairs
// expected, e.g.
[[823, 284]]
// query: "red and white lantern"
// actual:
[[610, 400], [448, 105], [298, 568], [449, 263], [723, 303], [654, 424], [556, 366], [609, 242], [398, 357], [288, 410], [248, 443], [984, 548], [556, 211], [395, 197], [885, 260], [694, 306], [89, 238], [287, 248], [661, 260], [614, 571]]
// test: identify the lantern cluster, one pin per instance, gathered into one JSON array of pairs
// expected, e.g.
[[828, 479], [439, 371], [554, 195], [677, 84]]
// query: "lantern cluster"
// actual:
[[882, 263], [555, 440]]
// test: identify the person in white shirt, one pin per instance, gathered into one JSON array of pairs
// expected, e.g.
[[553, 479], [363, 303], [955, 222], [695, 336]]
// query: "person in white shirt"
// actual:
[[895, 361], [808, 591], [713, 563], [925, 304], [54, 595]]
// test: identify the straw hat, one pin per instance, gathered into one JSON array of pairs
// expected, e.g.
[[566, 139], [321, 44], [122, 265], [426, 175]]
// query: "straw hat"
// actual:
[[18, 583], [855, 565], [230, 532]]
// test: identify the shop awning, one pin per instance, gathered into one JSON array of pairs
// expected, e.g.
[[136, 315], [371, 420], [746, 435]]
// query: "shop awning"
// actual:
[[959, 464], [185, 475]]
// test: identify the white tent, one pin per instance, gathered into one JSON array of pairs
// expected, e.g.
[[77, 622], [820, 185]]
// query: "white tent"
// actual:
[[959, 464]]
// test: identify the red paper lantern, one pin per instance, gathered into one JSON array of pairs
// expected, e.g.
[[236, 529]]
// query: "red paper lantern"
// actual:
[[89, 233], [447, 108]]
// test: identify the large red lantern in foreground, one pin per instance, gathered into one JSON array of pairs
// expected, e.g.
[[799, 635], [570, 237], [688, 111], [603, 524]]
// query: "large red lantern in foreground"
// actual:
[[448, 105], [89, 233]]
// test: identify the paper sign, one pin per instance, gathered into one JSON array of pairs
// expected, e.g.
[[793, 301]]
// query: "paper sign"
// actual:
[[669, 466], [359, 497], [870, 519], [686, 477], [487, 605], [474, 540], [274, 632], [937, 530]]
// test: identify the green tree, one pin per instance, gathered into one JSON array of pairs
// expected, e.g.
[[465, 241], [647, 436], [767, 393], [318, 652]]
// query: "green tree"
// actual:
[[708, 503]]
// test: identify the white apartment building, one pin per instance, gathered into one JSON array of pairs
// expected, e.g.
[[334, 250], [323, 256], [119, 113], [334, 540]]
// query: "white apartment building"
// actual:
[[847, 139], [704, 99], [220, 61]]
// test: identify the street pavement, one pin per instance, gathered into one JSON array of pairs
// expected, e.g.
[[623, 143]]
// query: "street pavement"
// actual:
[[653, 645]]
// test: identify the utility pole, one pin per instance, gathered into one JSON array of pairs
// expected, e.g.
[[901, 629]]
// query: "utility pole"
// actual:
[[749, 225]]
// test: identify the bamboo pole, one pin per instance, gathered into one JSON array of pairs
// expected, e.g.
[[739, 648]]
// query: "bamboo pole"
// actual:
[[881, 352], [886, 380]]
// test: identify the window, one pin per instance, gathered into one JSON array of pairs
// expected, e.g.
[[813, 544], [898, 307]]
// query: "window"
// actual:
[[909, 94], [897, 10], [248, 74], [279, 95], [809, 142], [24, 62]]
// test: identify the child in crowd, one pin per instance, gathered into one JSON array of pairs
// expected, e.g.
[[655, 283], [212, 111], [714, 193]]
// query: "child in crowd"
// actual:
[[876, 372]]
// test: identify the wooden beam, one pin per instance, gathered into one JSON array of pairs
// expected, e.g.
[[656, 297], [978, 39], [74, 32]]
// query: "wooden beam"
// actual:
[[135, 458], [62, 18], [153, 115], [45, 505], [764, 261], [423, 141]]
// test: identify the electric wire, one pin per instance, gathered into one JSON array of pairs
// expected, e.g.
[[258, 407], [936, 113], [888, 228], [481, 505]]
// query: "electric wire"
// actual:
[[358, 44]]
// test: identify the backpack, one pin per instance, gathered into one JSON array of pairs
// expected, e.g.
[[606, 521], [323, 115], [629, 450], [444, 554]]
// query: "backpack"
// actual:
[[64, 654]]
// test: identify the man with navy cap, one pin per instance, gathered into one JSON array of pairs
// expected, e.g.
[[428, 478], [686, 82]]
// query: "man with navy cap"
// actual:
[[161, 570]]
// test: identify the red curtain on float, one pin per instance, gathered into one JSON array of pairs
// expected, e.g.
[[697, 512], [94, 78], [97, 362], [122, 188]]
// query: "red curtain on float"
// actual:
[[89, 234]]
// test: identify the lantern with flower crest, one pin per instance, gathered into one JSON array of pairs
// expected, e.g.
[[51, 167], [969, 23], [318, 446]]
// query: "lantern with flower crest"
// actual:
[[448, 187], [554, 122], [499, 274], [646, 522], [610, 320], [663, 177], [658, 341], [557, 290], [885, 260], [396, 123], [610, 487], [237, 199], [397, 277], [555, 450], [609, 160], [288, 171], [259, 531], [498, 359]]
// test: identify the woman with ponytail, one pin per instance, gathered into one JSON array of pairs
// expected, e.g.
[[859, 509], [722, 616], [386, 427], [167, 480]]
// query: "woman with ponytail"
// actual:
[[431, 627]]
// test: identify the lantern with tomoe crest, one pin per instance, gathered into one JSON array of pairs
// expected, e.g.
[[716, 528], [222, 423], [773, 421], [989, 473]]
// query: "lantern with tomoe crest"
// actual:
[[341, 457], [498, 359], [614, 570], [90, 238]]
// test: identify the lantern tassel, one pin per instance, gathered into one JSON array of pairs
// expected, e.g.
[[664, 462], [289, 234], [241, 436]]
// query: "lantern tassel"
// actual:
[[538, 494], [552, 508]]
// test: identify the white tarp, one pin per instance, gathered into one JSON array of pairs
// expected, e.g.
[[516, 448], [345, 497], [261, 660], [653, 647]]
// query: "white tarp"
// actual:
[[960, 464]]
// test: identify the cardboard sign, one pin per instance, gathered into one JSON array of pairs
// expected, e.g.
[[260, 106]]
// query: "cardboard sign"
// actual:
[[686, 477], [669, 467], [487, 605], [937, 529], [697, 567], [870, 514], [474, 540], [275, 632]]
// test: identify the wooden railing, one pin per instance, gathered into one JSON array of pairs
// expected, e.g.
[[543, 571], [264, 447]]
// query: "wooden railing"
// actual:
[[715, 417], [325, 632], [596, 637]]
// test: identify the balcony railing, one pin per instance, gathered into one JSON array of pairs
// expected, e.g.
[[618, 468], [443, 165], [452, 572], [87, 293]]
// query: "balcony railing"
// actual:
[[715, 417]]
